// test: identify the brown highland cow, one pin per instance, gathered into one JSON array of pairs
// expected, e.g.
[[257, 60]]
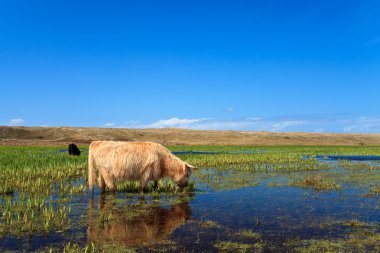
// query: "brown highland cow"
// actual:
[[143, 161]]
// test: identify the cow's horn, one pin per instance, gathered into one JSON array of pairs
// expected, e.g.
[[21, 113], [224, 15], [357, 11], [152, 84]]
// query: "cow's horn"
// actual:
[[191, 166]]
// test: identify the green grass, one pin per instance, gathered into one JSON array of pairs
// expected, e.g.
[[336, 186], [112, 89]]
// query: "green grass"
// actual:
[[302, 150], [355, 243], [318, 182], [361, 237], [245, 233], [259, 162], [209, 224], [375, 190], [164, 186], [37, 182], [91, 248], [44, 171], [37, 170], [229, 246], [33, 215]]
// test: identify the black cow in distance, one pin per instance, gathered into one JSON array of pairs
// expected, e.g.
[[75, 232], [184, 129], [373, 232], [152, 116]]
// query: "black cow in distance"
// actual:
[[73, 149]]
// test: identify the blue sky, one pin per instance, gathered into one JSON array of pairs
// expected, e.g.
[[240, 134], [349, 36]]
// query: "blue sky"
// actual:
[[239, 65]]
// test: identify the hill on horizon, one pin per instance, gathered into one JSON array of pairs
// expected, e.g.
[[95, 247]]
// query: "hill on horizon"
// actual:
[[173, 136]]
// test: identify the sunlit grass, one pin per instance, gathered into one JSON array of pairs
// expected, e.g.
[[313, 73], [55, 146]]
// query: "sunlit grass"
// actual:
[[248, 234], [92, 248], [36, 180], [36, 170], [375, 190], [164, 186], [355, 243], [30, 215], [318, 182], [230, 246], [209, 224]]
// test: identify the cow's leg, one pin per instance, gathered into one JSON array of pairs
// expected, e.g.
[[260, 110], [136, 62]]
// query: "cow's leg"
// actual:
[[144, 180], [101, 202], [101, 182], [155, 186], [109, 180], [142, 186]]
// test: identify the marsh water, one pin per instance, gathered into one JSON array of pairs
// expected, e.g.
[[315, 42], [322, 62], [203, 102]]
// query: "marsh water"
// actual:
[[245, 212]]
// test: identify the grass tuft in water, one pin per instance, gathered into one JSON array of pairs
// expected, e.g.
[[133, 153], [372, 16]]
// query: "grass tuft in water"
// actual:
[[246, 233], [164, 186], [92, 248], [375, 190], [228, 246], [318, 182], [209, 224], [361, 239]]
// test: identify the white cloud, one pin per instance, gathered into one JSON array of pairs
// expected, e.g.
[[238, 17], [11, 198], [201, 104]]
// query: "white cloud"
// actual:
[[229, 109], [319, 130], [16, 122], [362, 125], [127, 124], [283, 125], [372, 42], [174, 123], [250, 123], [253, 118], [304, 123]]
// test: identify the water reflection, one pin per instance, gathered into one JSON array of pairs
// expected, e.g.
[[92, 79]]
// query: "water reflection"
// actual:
[[133, 225]]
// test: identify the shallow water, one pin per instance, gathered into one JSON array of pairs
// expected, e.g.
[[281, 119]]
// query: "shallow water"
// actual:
[[349, 157], [276, 213], [281, 213], [189, 222], [218, 152]]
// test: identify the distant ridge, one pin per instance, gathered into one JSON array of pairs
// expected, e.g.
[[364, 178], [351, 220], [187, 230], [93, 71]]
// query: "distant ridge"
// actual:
[[169, 136]]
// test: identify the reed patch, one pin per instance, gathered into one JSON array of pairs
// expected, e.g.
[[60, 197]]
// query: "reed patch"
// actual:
[[44, 192]]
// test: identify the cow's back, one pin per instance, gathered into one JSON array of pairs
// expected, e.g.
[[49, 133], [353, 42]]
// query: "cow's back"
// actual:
[[126, 159]]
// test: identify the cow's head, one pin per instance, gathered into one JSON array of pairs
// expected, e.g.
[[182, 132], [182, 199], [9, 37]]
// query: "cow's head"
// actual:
[[184, 174]]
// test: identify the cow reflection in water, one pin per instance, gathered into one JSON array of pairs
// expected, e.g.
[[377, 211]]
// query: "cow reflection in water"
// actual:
[[135, 225]]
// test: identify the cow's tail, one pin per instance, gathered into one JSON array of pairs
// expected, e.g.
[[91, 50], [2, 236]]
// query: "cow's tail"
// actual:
[[91, 170]]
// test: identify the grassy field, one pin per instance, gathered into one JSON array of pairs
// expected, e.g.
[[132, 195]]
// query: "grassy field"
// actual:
[[38, 184]]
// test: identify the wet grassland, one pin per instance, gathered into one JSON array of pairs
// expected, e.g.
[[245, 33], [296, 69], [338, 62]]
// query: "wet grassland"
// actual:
[[240, 199]]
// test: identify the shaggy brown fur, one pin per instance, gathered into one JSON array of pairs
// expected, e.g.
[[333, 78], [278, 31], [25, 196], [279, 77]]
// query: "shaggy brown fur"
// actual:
[[143, 161], [148, 226]]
